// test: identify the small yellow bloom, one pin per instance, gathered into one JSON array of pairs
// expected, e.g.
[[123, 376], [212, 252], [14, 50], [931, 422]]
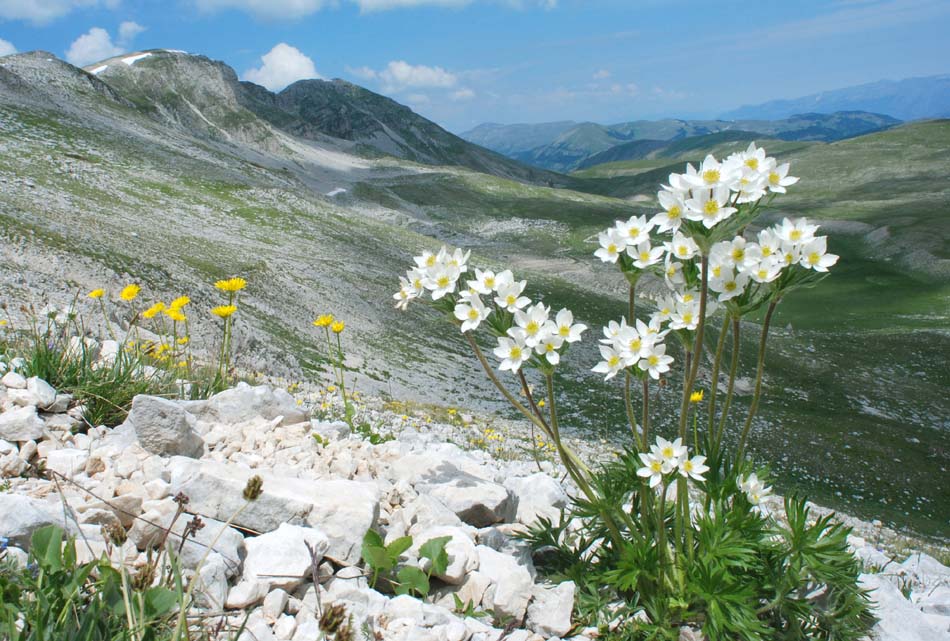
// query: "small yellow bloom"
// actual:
[[97, 293], [153, 310], [182, 363], [130, 292], [223, 311], [179, 302], [175, 314], [331, 388], [452, 411], [541, 403], [696, 397], [338, 326], [3, 322], [231, 284], [323, 320], [183, 340]]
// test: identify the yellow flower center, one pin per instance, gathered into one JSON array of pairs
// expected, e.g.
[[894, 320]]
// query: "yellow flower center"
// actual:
[[644, 255], [532, 328], [489, 282], [653, 360], [515, 352], [766, 251], [730, 286], [613, 361], [430, 261], [688, 465], [711, 208], [564, 330], [511, 299], [635, 345], [738, 254], [711, 175], [656, 466], [443, 281], [688, 318], [682, 250], [549, 347], [473, 313], [813, 258], [796, 235], [716, 271], [774, 178], [752, 163], [674, 212], [688, 298], [611, 249], [634, 232]]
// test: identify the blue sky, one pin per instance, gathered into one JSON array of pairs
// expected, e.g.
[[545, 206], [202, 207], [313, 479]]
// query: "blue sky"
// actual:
[[463, 62]]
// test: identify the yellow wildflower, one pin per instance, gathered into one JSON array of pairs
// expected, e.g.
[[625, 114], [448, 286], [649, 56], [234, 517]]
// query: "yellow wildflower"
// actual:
[[183, 340], [696, 397], [541, 403], [97, 293], [175, 314], [182, 363], [130, 292], [3, 322], [323, 320], [179, 302], [338, 327], [331, 388], [153, 310], [223, 311], [452, 411], [231, 284]]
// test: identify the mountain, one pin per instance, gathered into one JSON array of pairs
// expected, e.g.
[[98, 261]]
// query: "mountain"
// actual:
[[205, 96], [511, 139], [580, 146], [908, 99]]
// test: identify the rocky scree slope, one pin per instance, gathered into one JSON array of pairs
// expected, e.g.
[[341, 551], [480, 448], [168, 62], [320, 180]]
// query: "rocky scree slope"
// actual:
[[326, 493]]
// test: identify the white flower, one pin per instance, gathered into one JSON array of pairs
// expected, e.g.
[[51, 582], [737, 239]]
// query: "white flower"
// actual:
[[664, 308], [729, 285], [426, 260], [566, 328], [441, 280], [532, 321], [653, 468], [673, 273], [644, 255], [778, 178], [766, 270], [471, 313], [796, 231], [694, 467], [710, 206], [682, 247], [509, 296], [634, 343], [685, 315], [671, 452], [769, 243], [635, 231], [754, 489], [712, 174], [611, 244], [753, 158], [671, 217], [484, 282], [405, 294], [612, 363], [656, 361], [512, 350], [548, 347], [815, 256]]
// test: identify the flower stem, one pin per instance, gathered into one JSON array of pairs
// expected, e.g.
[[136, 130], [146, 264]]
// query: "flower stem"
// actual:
[[693, 369], [714, 381], [731, 386], [758, 378]]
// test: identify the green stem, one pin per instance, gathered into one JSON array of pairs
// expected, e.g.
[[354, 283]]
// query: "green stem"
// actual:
[[760, 368], [714, 381], [697, 347], [646, 413], [731, 386], [628, 407]]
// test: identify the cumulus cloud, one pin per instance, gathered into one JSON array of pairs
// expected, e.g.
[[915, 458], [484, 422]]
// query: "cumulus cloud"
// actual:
[[127, 32], [6, 48], [92, 46], [400, 75], [362, 72], [282, 66], [44, 11], [272, 9], [462, 94], [602, 74]]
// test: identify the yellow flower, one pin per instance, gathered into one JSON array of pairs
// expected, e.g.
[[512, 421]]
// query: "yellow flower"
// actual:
[[231, 284], [175, 314], [223, 311], [179, 302], [323, 320], [130, 292], [153, 310], [3, 322], [182, 363], [97, 293], [696, 397], [338, 327], [183, 340], [452, 411], [541, 403], [331, 388]]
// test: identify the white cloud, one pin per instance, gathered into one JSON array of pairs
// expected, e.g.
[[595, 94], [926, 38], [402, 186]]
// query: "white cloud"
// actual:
[[92, 46], [293, 9], [44, 11], [462, 94], [367, 6], [602, 74], [282, 66], [127, 32], [418, 99], [399, 75], [6, 48], [362, 72]]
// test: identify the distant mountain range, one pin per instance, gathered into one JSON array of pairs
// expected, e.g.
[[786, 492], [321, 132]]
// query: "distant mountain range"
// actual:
[[569, 146], [908, 99]]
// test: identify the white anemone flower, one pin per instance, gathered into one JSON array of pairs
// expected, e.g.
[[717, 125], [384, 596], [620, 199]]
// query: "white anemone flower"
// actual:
[[815, 255], [694, 468], [766, 270], [548, 348], [636, 230], [713, 174], [484, 282], [664, 308], [426, 260], [653, 468], [778, 178], [797, 231], [682, 247], [458, 258], [512, 350], [532, 321], [405, 294], [730, 285], [769, 243], [441, 280], [671, 452], [673, 273], [471, 313], [612, 363], [509, 296], [612, 242], [656, 361], [566, 328], [674, 206], [644, 255], [685, 315], [755, 490], [709, 206]]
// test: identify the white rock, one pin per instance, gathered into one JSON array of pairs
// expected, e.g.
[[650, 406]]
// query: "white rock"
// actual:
[[12, 380], [550, 611], [21, 424], [256, 628], [164, 428], [307, 631], [245, 594], [470, 592], [280, 558], [511, 583], [534, 497], [21, 515], [285, 626], [898, 619], [274, 604], [933, 601], [243, 403], [926, 569], [6, 447], [44, 392], [60, 404], [463, 558], [475, 500], [426, 511], [23, 398], [67, 462], [211, 587]]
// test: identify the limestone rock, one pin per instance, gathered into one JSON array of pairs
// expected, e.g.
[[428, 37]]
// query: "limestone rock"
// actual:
[[43, 392], [535, 496], [164, 428], [13, 380], [463, 558], [475, 500], [280, 558], [20, 516], [21, 424], [550, 611], [898, 619], [243, 403], [511, 583]]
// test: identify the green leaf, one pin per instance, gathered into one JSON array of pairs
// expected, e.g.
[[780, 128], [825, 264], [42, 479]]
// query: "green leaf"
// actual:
[[46, 544], [434, 550], [374, 552], [159, 601], [412, 579], [397, 547]]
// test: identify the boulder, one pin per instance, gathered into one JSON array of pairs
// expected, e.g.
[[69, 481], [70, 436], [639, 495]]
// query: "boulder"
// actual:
[[474, 500], [21, 424], [511, 585], [535, 496], [463, 558], [898, 619], [551, 607], [20, 516], [243, 403], [280, 559], [43, 392], [13, 380], [164, 428]]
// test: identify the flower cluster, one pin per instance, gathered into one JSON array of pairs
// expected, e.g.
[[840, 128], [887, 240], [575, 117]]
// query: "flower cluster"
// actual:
[[755, 490], [524, 328], [667, 458], [637, 346]]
